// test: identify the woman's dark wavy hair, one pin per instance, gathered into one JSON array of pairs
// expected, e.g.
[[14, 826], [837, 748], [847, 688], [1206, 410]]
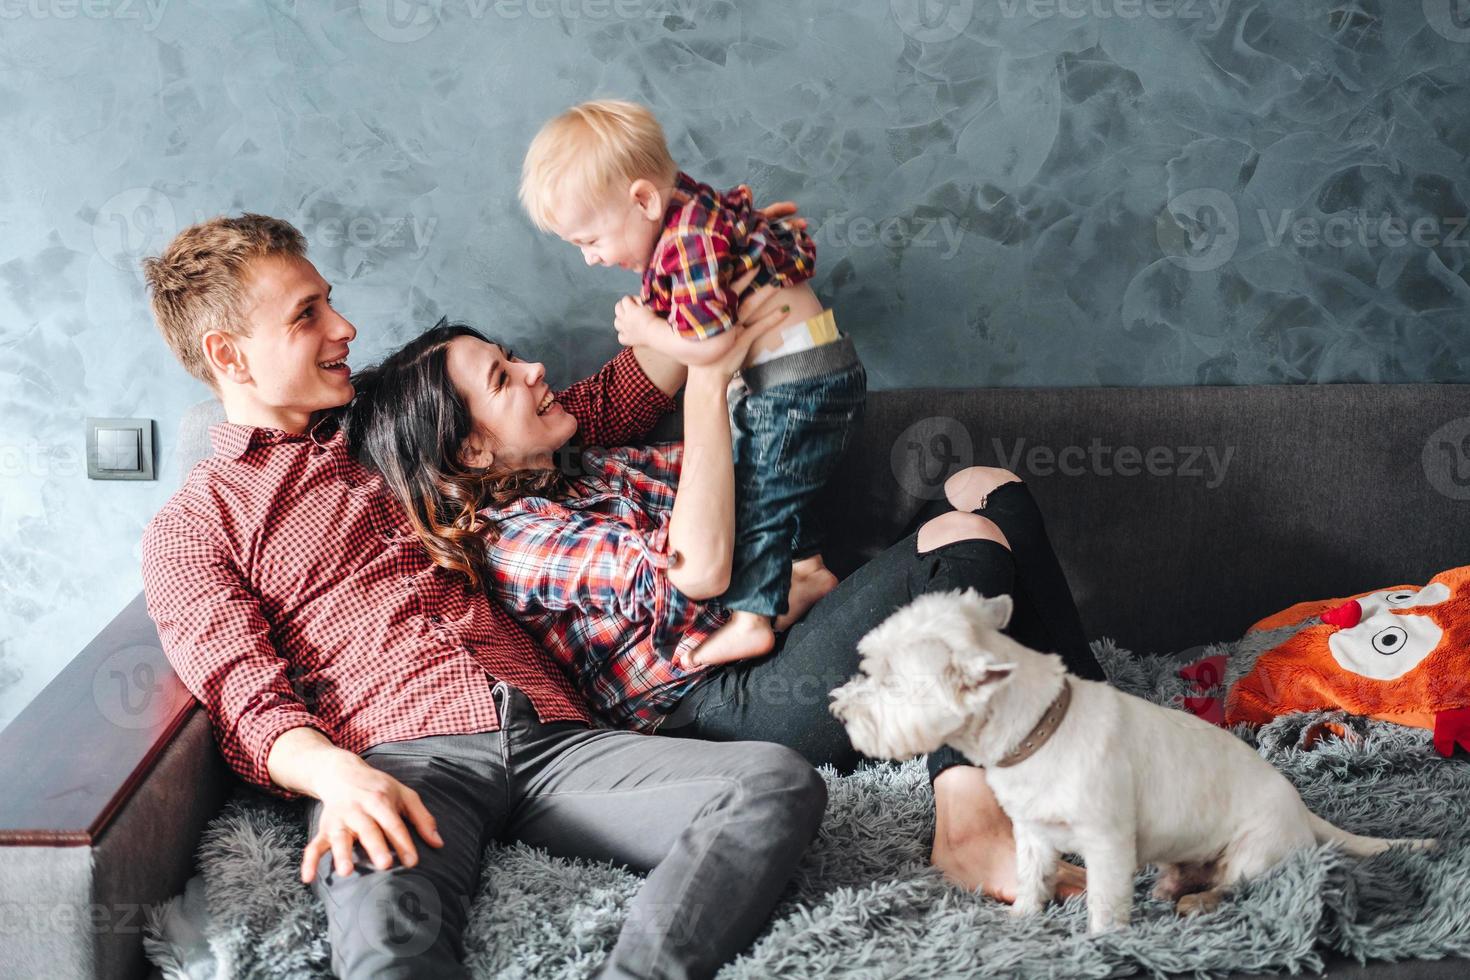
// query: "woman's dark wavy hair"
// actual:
[[407, 422]]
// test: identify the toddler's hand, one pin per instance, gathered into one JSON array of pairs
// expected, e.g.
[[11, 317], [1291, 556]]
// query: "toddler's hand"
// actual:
[[634, 322]]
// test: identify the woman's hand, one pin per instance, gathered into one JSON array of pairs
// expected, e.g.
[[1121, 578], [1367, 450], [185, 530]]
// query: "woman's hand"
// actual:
[[761, 311]]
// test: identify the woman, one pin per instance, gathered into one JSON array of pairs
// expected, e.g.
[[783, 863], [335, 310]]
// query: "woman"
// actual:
[[615, 569]]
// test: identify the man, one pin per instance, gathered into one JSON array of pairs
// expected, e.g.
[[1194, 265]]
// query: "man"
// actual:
[[337, 662]]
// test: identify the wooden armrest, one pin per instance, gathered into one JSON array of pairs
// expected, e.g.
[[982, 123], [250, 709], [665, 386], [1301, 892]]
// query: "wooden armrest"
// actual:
[[74, 756]]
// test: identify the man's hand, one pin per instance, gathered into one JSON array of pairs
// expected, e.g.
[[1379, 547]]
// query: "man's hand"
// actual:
[[637, 325], [364, 805]]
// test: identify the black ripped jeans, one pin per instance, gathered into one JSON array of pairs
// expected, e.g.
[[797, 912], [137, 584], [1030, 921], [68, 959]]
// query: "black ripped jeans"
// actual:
[[783, 697]]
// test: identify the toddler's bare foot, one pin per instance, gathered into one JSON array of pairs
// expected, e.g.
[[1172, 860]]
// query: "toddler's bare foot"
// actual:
[[810, 580], [745, 635]]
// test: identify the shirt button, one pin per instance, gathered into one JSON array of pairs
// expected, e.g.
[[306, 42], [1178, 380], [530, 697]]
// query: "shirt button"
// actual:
[[435, 618]]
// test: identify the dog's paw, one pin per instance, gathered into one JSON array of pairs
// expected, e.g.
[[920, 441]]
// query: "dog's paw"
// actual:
[[1023, 907]]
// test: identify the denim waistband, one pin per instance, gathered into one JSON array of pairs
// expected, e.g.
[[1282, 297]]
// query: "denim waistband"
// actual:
[[810, 363]]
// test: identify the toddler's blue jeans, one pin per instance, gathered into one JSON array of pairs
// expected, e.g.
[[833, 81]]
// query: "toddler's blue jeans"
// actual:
[[791, 419]]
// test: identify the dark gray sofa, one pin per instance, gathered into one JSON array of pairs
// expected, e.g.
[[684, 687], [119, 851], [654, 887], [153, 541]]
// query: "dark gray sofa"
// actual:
[[1311, 491]]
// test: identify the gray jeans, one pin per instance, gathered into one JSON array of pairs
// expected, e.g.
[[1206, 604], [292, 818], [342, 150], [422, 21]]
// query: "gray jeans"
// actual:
[[717, 827]]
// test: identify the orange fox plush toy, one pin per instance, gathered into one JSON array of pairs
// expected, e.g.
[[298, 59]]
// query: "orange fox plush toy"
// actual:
[[1400, 655]]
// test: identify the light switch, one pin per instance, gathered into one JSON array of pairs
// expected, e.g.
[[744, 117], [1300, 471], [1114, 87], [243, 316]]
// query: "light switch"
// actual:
[[117, 449], [120, 449]]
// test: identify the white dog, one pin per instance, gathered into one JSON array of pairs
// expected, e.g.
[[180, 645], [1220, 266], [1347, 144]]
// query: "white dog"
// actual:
[[1078, 766]]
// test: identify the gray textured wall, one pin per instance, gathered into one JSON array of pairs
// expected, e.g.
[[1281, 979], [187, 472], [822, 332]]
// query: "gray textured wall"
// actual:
[[1004, 192]]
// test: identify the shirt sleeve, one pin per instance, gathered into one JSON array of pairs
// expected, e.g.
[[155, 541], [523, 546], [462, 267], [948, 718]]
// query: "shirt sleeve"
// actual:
[[617, 405], [692, 262], [563, 560], [218, 642]]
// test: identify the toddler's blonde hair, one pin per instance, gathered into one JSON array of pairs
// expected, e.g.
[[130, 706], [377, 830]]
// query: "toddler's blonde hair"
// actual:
[[589, 151]]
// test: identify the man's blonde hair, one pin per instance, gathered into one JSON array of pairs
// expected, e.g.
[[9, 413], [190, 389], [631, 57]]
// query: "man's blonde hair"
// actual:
[[589, 151], [197, 284]]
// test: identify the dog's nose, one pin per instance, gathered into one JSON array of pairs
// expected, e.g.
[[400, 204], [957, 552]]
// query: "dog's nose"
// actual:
[[1345, 616]]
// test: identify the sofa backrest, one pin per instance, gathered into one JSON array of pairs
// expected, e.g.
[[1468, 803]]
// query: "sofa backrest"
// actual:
[[1232, 502], [1181, 515]]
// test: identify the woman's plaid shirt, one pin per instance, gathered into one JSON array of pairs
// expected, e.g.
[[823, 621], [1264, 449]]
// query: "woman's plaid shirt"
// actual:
[[586, 576]]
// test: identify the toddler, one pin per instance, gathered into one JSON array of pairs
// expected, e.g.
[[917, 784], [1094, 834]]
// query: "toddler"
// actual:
[[601, 177]]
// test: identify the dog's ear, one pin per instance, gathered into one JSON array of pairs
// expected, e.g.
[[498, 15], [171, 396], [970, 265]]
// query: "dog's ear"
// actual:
[[974, 673], [992, 612]]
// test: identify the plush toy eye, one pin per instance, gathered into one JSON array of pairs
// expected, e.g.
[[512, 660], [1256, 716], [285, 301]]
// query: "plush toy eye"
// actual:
[[1397, 598], [1390, 641]]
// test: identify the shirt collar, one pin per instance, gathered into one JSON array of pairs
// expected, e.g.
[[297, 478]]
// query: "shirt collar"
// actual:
[[232, 440]]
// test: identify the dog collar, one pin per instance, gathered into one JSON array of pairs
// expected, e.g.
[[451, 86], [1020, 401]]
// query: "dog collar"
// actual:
[[1050, 721]]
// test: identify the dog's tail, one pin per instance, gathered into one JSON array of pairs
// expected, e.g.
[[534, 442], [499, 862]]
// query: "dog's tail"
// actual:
[[1359, 846]]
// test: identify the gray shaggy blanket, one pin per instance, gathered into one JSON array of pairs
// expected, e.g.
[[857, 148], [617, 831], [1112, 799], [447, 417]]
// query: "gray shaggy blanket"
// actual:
[[865, 903]]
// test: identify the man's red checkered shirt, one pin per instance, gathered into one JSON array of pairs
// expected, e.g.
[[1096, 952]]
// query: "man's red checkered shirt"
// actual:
[[586, 576], [288, 592]]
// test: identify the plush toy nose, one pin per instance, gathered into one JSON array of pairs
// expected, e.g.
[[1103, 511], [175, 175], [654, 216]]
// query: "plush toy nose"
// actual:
[[1345, 616]]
